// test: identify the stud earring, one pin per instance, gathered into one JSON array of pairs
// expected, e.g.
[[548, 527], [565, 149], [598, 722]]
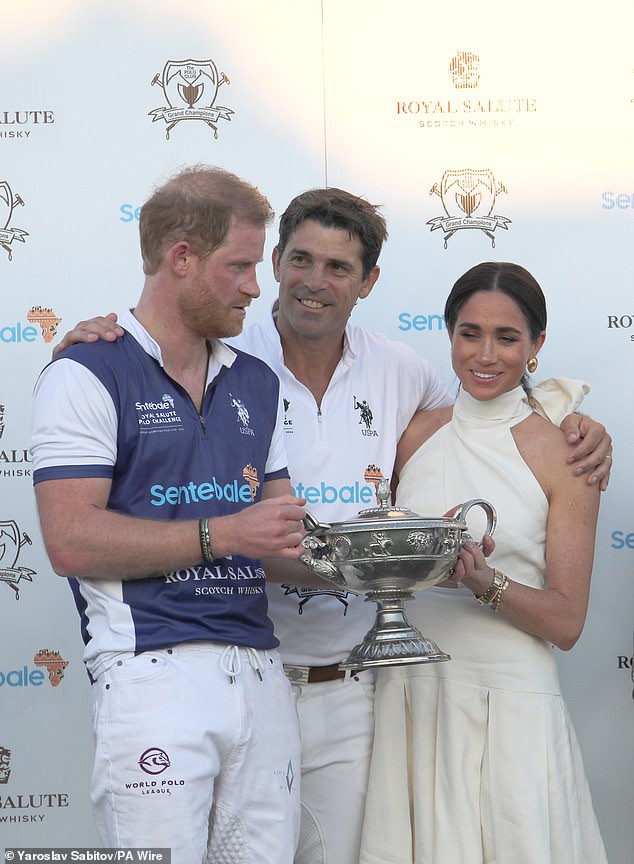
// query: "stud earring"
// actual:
[[532, 364]]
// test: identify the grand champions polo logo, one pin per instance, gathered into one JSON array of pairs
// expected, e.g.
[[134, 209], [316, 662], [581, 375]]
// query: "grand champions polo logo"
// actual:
[[8, 232], [468, 197], [190, 88], [11, 543]]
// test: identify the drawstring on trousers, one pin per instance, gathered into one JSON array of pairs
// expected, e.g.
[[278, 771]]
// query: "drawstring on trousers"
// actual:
[[231, 663]]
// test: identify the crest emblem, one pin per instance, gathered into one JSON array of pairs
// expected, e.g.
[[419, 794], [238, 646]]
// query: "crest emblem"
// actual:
[[5, 766], [468, 198], [10, 545], [8, 203], [465, 70], [190, 88]]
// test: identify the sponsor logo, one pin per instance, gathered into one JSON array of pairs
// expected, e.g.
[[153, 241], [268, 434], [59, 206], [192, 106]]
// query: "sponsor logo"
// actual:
[[11, 542], [5, 768], [622, 540], [19, 807], [242, 415], [9, 120], [374, 475], [326, 493], [9, 233], [365, 417], [50, 661], [193, 493], [10, 458], [288, 421], [54, 664], [47, 321], [190, 88], [468, 198], [250, 474], [306, 594], [154, 761], [622, 323], [617, 201], [287, 777], [158, 416], [460, 105], [421, 322], [465, 70]]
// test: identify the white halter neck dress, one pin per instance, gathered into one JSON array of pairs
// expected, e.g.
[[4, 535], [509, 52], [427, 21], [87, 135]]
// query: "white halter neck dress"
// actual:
[[475, 759]]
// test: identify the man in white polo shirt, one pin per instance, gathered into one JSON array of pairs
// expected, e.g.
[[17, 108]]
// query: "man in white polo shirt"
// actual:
[[348, 396]]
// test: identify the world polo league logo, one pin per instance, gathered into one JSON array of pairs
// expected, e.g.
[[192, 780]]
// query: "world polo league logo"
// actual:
[[190, 88], [10, 545], [468, 198], [8, 203]]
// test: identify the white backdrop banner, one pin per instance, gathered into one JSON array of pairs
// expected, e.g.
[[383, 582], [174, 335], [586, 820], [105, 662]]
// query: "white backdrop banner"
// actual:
[[497, 135]]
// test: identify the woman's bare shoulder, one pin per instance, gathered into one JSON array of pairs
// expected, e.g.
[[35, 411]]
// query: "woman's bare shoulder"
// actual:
[[543, 447], [420, 428]]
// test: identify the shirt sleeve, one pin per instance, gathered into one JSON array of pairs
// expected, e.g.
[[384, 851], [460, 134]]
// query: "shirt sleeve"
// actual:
[[74, 423], [433, 393]]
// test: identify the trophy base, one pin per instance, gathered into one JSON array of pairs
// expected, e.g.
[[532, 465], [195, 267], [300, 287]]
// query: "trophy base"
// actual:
[[392, 641]]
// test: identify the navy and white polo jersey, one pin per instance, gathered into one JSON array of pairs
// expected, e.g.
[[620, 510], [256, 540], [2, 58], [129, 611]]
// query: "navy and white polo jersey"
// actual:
[[109, 410]]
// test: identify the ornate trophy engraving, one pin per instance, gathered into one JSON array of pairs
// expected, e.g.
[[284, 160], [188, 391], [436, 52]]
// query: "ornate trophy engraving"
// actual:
[[388, 553]]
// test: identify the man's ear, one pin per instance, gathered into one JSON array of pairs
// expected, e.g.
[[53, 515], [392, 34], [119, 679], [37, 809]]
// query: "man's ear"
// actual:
[[369, 282], [180, 258], [275, 258]]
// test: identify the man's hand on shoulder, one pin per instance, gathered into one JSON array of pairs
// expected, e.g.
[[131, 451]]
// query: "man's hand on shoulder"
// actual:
[[101, 327], [591, 448]]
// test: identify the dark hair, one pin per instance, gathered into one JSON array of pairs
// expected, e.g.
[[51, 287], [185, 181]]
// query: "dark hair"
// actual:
[[335, 208], [510, 279], [197, 205]]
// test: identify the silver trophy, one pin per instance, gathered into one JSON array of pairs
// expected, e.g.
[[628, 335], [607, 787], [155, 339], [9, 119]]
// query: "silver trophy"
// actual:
[[388, 553]]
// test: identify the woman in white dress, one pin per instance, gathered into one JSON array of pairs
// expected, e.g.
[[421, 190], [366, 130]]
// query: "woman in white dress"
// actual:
[[475, 759]]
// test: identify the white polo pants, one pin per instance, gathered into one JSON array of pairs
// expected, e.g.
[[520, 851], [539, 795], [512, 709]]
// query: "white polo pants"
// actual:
[[197, 750]]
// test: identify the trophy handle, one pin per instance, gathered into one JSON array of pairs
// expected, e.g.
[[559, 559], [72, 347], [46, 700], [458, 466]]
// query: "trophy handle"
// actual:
[[488, 509], [313, 526]]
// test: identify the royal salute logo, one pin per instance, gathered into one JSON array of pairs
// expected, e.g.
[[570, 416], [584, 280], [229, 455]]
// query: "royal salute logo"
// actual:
[[25, 807], [460, 104], [465, 70], [190, 88], [468, 198], [5, 767], [623, 325], [11, 543], [13, 123], [14, 461], [8, 232]]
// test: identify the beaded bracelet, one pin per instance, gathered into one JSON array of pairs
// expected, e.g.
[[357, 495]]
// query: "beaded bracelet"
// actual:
[[205, 540], [493, 594]]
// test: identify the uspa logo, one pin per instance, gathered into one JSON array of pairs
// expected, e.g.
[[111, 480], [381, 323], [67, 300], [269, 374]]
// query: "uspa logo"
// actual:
[[468, 197], [190, 88], [8, 232], [11, 543]]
